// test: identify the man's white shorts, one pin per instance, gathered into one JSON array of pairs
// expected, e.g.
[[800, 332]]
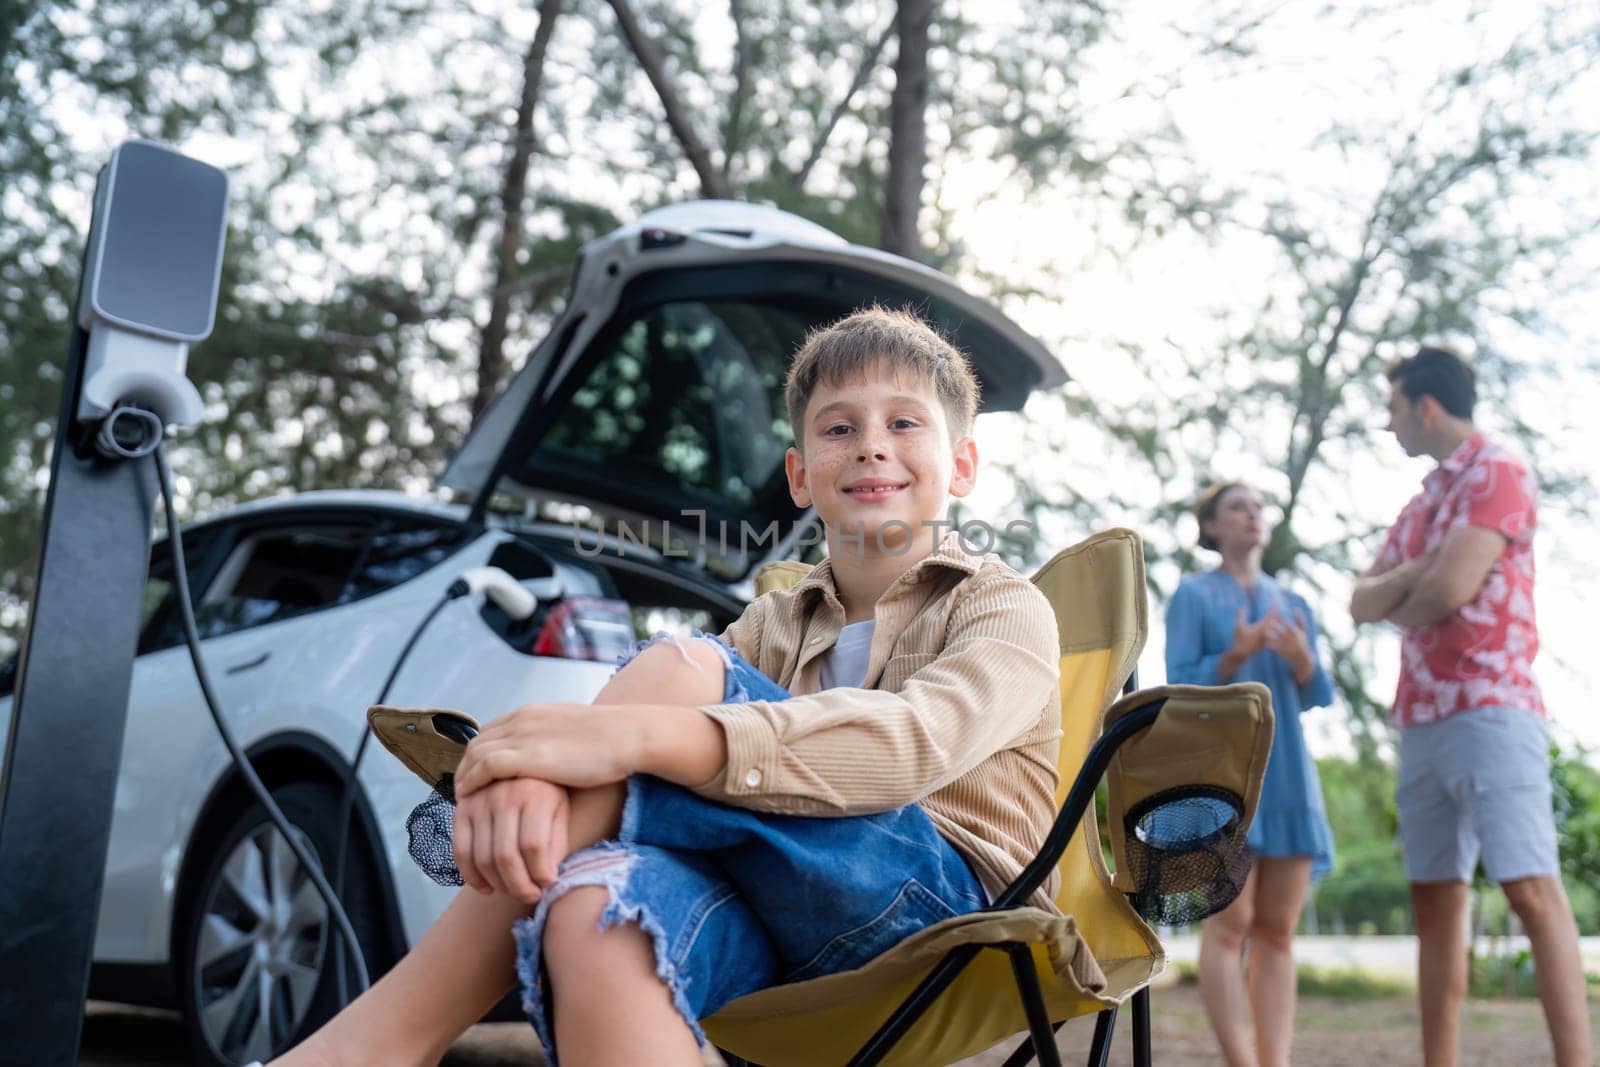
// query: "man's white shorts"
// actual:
[[1477, 780]]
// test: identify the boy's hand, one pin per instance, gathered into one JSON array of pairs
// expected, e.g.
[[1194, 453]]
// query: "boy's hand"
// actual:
[[511, 837], [576, 745]]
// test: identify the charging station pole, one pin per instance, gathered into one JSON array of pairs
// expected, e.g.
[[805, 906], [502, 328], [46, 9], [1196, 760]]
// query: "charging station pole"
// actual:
[[149, 288]]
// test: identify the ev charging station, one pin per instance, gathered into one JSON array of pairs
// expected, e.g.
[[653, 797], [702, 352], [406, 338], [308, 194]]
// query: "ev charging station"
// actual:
[[149, 289]]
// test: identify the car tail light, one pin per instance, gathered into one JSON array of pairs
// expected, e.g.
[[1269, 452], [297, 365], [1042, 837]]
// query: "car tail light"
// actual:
[[586, 628]]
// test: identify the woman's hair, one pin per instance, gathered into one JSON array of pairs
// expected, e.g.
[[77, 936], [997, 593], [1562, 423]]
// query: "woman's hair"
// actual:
[[1205, 509]]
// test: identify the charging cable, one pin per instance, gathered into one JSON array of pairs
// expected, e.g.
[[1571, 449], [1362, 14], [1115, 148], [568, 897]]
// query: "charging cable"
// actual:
[[518, 603], [129, 436], [241, 762]]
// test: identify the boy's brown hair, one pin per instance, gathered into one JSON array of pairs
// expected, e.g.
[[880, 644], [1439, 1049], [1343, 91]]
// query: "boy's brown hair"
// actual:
[[874, 336]]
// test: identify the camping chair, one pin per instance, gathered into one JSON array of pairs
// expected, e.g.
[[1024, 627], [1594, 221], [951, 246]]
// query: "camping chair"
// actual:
[[1185, 765]]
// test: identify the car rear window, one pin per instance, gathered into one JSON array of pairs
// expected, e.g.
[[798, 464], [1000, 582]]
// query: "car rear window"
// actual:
[[688, 395]]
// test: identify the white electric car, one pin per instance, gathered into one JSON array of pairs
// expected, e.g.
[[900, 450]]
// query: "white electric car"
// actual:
[[653, 414]]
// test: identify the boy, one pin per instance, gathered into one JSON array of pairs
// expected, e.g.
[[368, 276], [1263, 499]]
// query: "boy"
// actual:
[[699, 833]]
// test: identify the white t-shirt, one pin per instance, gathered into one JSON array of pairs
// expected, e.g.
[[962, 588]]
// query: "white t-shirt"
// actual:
[[845, 664]]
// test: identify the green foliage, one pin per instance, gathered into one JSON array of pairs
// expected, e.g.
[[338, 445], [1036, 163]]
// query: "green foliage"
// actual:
[[1367, 892], [369, 142], [1350, 983], [1503, 975], [1576, 789]]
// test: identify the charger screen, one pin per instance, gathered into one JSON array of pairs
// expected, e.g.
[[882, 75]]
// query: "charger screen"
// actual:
[[162, 242]]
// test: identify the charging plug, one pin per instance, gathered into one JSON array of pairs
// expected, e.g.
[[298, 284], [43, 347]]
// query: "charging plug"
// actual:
[[510, 597]]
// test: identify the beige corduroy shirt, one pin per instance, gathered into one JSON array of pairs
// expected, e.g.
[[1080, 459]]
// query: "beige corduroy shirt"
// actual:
[[960, 710]]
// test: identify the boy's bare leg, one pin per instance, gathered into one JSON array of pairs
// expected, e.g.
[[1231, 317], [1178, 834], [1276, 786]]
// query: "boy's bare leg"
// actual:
[[1541, 903], [1222, 977], [466, 961], [1280, 892], [458, 971], [1439, 910], [594, 973]]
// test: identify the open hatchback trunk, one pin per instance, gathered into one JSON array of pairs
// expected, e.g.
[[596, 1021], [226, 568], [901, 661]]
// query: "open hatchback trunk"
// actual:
[[658, 395]]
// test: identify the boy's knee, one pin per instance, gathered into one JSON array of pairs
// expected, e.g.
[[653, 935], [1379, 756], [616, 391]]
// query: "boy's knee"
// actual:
[[698, 663], [573, 922]]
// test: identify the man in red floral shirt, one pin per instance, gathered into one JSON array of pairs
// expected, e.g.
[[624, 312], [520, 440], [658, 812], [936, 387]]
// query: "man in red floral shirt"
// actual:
[[1456, 575]]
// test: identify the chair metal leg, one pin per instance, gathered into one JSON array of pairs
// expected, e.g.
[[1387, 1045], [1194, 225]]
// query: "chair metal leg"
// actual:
[[1044, 1035], [1022, 1055], [911, 1009], [1100, 1048], [1141, 1028]]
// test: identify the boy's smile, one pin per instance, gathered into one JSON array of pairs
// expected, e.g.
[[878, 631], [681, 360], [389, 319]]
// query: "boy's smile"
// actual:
[[876, 460]]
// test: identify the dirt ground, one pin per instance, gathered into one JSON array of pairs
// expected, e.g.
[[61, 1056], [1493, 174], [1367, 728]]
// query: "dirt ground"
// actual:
[[1369, 1033]]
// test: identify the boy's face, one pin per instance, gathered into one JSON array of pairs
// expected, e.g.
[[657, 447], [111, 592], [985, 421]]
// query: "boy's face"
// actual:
[[877, 448]]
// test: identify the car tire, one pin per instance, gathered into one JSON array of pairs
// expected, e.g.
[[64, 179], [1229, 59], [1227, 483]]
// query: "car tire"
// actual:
[[256, 944]]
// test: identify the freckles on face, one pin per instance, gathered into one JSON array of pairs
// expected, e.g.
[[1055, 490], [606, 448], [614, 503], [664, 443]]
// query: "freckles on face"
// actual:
[[874, 449]]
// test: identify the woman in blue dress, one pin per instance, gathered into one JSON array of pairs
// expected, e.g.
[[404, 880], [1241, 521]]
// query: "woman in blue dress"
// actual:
[[1235, 624]]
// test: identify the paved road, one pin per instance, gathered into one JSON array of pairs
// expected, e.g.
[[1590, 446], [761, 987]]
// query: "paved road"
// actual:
[[1384, 955]]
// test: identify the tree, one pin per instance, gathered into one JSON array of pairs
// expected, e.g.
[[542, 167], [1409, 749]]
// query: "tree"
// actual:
[[1421, 231], [908, 130], [513, 197]]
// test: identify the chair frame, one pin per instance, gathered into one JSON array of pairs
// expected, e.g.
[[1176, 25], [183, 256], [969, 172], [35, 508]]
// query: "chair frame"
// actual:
[[1041, 1031]]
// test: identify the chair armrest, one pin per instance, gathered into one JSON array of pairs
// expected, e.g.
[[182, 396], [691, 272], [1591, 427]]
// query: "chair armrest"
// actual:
[[1241, 714], [1134, 718]]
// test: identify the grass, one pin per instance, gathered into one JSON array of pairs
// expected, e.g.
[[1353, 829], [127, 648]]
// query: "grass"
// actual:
[[1342, 983]]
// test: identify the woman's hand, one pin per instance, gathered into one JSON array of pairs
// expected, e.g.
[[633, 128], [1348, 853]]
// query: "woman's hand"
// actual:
[[1292, 642], [1248, 639], [511, 836], [575, 745]]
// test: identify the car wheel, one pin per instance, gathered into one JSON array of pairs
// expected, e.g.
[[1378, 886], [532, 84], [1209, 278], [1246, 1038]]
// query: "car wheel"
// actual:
[[255, 958]]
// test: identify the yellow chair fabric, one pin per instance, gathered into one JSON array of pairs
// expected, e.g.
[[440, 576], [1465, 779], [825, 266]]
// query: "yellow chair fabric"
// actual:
[[1096, 954]]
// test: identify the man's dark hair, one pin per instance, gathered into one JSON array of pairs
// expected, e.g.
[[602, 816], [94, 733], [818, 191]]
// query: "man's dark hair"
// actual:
[[1441, 374]]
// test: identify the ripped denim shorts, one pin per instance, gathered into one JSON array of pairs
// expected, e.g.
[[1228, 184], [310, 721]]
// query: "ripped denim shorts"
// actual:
[[737, 900]]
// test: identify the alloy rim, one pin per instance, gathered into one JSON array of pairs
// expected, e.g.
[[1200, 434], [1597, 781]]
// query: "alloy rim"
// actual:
[[258, 957]]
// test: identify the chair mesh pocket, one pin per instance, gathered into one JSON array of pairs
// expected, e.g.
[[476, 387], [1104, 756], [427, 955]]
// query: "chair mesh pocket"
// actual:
[[430, 828], [1186, 854]]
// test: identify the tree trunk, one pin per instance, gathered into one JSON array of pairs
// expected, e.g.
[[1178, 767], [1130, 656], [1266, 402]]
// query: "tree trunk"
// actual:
[[908, 130], [713, 183], [492, 349]]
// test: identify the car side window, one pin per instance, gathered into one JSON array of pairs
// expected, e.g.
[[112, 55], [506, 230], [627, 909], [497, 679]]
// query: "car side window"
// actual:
[[159, 626], [278, 573], [399, 550]]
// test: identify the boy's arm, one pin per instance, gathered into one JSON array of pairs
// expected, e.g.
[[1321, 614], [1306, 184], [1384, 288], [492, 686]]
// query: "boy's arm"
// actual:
[[571, 745], [588, 745], [856, 751]]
